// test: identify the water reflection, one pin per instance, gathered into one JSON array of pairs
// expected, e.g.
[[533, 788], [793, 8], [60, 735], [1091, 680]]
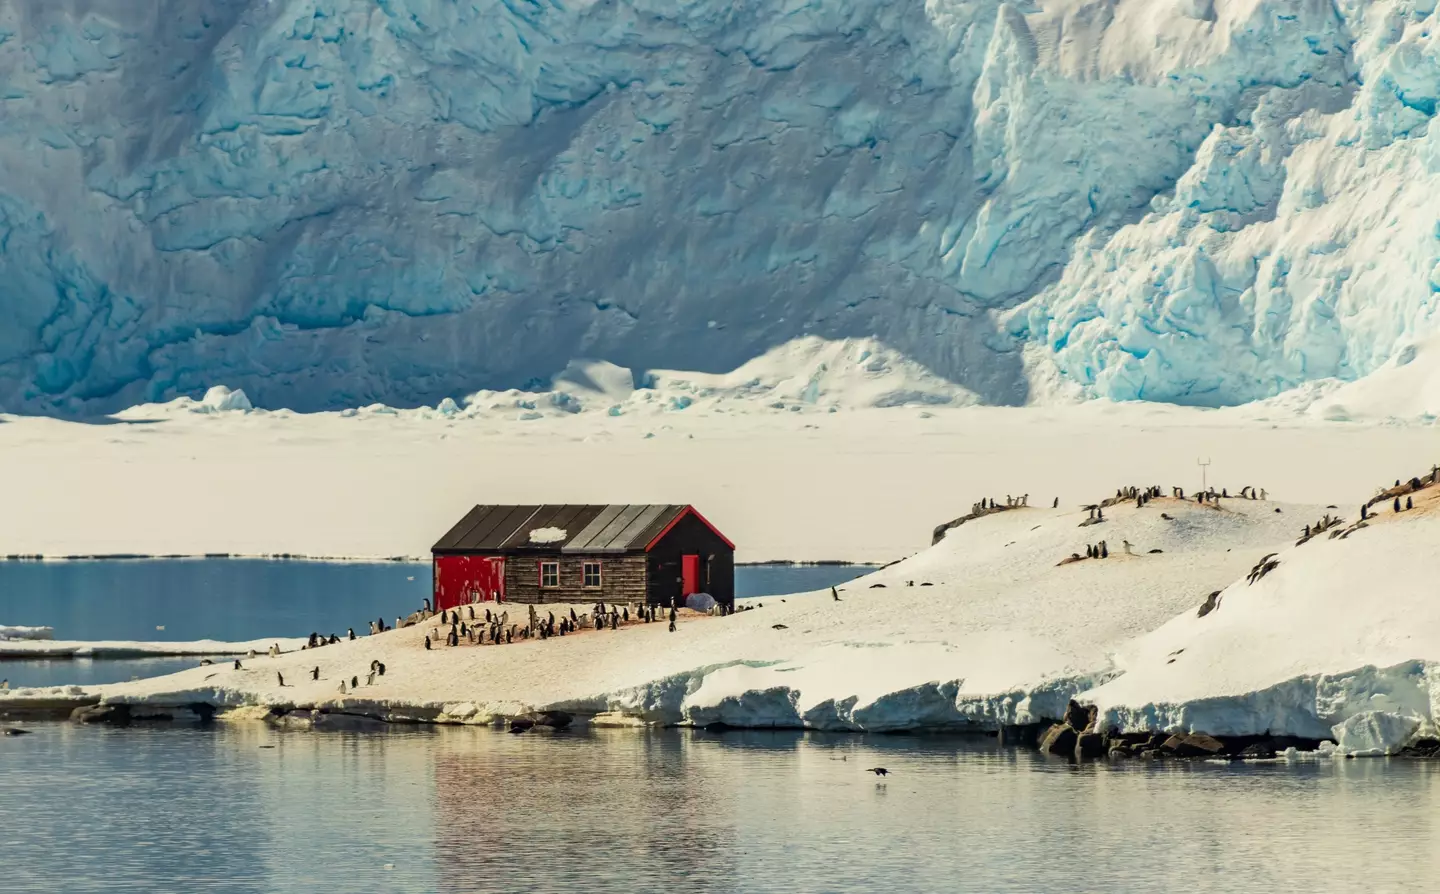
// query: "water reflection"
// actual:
[[457, 809]]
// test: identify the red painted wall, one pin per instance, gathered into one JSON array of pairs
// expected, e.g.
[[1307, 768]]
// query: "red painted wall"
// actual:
[[457, 577]]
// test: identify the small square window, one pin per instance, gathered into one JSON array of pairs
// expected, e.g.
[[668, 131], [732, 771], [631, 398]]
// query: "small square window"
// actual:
[[549, 574], [592, 575]]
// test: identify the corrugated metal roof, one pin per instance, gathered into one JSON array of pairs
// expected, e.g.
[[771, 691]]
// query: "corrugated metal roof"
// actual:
[[588, 528]]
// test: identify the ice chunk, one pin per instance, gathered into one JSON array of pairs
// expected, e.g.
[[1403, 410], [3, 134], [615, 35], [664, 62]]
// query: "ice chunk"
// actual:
[[220, 399], [1375, 733]]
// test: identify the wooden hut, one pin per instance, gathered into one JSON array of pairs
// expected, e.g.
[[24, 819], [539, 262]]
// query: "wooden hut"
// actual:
[[618, 553]]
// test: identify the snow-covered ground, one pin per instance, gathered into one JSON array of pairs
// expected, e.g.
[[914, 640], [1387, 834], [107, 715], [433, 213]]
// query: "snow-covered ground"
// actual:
[[862, 484], [52, 648], [1341, 638]]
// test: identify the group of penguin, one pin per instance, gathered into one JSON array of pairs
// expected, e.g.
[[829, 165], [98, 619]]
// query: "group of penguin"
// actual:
[[496, 628]]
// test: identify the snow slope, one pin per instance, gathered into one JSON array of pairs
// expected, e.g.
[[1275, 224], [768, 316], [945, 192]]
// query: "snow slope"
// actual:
[[1341, 627], [1339, 639], [1002, 634], [328, 203]]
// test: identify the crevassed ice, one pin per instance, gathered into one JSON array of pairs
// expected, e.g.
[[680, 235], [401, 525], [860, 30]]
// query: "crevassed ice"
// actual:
[[330, 203]]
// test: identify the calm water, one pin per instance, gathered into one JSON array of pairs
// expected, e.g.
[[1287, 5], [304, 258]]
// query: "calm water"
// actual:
[[242, 599], [177, 809]]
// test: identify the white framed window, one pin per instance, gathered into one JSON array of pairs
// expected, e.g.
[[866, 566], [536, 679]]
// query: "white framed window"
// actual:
[[549, 574], [591, 573]]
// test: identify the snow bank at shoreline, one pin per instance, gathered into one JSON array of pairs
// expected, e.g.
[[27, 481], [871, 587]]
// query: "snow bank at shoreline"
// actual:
[[11, 633], [29, 649]]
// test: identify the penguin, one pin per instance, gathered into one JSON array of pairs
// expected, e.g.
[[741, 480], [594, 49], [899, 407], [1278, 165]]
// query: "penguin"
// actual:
[[487, 615], [427, 644], [370, 679], [1364, 510], [672, 625], [1089, 551], [834, 594], [354, 682], [1056, 504], [464, 631], [281, 677], [379, 668], [472, 612], [573, 619], [1104, 550], [509, 636], [315, 673], [625, 615], [237, 664], [1100, 515], [1397, 504], [351, 631], [333, 639], [342, 687], [1409, 503], [205, 662], [427, 605]]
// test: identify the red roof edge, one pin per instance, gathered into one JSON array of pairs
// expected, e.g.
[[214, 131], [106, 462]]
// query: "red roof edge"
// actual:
[[689, 510]]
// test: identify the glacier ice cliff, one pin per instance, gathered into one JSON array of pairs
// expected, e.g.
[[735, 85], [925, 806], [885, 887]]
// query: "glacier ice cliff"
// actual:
[[332, 202]]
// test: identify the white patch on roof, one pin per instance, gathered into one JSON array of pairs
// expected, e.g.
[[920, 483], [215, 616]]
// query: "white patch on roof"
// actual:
[[547, 535]]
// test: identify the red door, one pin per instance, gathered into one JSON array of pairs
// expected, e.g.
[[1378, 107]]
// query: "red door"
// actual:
[[689, 575], [463, 579]]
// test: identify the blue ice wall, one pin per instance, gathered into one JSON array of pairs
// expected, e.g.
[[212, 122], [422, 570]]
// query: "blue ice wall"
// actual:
[[329, 202]]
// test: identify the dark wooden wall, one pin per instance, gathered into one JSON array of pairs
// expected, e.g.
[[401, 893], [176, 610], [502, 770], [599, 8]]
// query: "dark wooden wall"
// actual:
[[690, 536], [622, 579]]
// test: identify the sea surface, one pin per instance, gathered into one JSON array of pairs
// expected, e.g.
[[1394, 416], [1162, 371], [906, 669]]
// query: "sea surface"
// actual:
[[242, 808], [234, 600]]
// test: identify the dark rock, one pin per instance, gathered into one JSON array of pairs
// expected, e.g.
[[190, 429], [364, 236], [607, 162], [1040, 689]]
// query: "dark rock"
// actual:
[[1078, 716], [1089, 746], [521, 723], [554, 719], [1022, 735], [1059, 740], [1212, 602], [877, 586], [1258, 751], [119, 715], [1193, 745], [1421, 748], [348, 723]]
